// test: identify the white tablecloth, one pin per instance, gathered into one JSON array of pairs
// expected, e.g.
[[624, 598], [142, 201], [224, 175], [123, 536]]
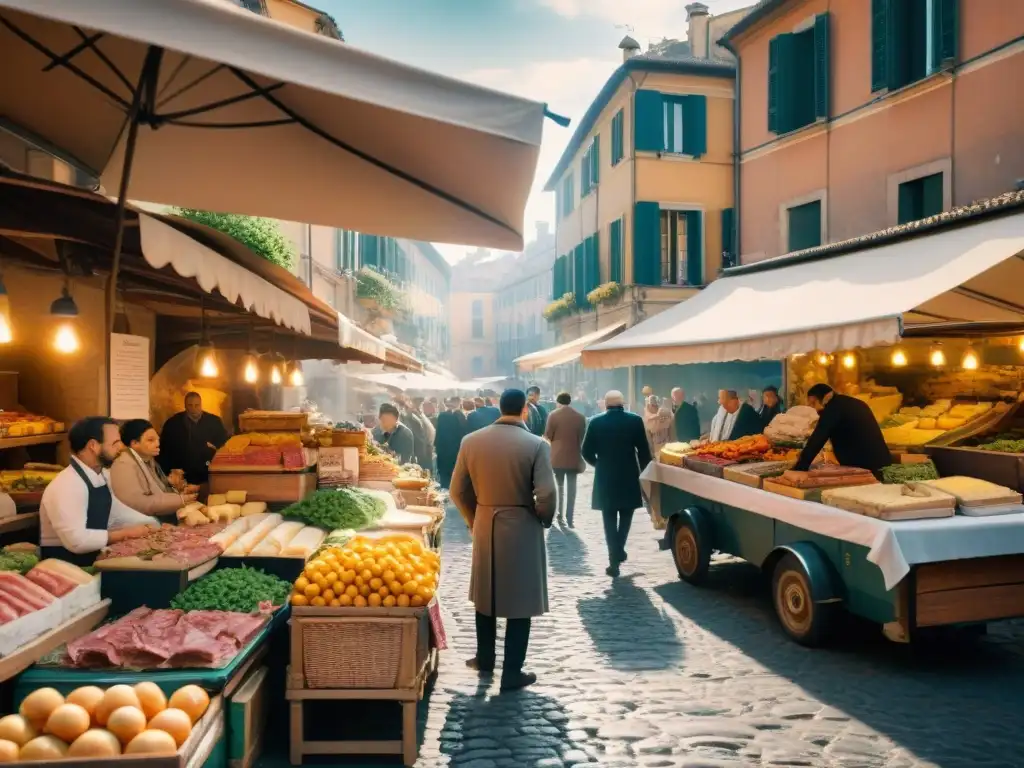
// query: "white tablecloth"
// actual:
[[893, 546]]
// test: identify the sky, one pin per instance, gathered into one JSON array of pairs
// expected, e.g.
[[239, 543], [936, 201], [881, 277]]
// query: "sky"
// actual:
[[560, 52]]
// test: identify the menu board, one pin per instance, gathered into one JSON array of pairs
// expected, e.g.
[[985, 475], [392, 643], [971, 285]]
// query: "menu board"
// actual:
[[129, 376]]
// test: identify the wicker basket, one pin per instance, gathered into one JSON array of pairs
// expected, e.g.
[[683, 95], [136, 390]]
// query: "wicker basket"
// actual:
[[348, 438], [272, 421], [360, 648]]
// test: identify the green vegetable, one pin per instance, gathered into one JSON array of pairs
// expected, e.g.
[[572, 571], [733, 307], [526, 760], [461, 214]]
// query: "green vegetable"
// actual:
[[233, 589], [1004, 446], [897, 474], [341, 508], [22, 562]]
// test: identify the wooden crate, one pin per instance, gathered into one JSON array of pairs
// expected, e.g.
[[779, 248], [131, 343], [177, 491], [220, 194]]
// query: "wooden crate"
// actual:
[[247, 712], [390, 651], [272, 421], [266, 486]]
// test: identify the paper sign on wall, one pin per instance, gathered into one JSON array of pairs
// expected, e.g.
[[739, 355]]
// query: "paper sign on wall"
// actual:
[[129, 376]]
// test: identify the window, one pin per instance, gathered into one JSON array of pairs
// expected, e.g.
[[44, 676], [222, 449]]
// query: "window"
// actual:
[[590, 167], [911, 39], [567, 194], [669, 123], [618, 151], [681, 248], [805, 226], [478, 366], [798, 75], [728, 238], [920, 198], [346, 250], [478, 319], [615, 251]]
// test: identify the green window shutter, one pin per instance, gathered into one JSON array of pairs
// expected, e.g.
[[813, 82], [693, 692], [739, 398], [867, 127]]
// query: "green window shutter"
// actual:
[[646, 243], [615, 252], [555, 279], [898, 24], [595, 161], [909, 202], [773, 85], [931, 195], [805, 226], [789, 76], [879, 44], [694, 248], [728, 239], [578, 274], [695, 125], [945, 31], [648, 133], [821, 65], [594, 265], [368, 247], [617, 137]]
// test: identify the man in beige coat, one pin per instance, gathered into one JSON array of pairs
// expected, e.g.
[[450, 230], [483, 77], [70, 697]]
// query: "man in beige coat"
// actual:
[[504, 488], [564, 430]]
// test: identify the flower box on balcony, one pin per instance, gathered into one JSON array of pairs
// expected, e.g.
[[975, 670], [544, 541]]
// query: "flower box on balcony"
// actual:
[[560, 308]]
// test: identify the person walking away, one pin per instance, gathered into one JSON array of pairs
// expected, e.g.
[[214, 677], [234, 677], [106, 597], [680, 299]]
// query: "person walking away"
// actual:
[[565, 429], [507, 504], [391, 434], [657, 424], [482, 415], [685, 418], [616, 446], [770, 405], [734, 419], [538, 416], [451, 427], [189, 439]]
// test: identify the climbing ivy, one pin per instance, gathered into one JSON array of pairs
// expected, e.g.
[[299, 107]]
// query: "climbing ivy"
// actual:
[[262, 236]]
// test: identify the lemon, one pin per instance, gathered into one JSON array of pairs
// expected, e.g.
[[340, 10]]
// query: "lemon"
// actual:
[[387, 575], [364, 590], [334, 603], [395, 587], [410, 587], [319, 602], [331, 577], [416, 601], [403, 601], [359, 601], [376, 584], [311, 590], [301, 583], [374, 600], [383, 592], [351, 591], [345, 600], [348, 576], [327, 594], [298, 599], [366, 574], [389, 601]]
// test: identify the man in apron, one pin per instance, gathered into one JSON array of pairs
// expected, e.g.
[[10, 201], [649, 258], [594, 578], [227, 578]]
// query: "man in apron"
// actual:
[[78, 515], [504, 487]]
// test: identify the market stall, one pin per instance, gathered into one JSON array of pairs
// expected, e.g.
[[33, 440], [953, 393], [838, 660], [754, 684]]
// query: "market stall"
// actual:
[[924, 324]]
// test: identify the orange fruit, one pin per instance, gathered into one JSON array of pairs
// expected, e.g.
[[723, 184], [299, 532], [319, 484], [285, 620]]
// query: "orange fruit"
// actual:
[[359, 602], [344, 600], [374, 600], [403, 601], [298, 599]]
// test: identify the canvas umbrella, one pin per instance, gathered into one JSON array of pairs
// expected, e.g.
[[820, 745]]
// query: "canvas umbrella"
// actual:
[[202, 104]]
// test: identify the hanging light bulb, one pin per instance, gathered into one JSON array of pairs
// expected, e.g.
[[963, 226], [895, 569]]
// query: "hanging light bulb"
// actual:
[[899, 358], [937, 357], [208, 368], [970, 361], [275, 373], [1020, 344], [849, 361], [6, 337], [252, 371], [66, 340], [296, 379], [824, 359]]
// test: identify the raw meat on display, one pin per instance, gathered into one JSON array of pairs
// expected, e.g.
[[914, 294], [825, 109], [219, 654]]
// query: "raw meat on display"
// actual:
[[147, 639], [188, 546], [52, 582]]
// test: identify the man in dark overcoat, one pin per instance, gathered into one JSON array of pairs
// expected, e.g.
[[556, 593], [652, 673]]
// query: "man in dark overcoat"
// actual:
[[451, 427], [616, 446]]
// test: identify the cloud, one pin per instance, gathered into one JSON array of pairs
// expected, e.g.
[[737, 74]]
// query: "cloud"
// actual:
[[650, 19], [568, 87]]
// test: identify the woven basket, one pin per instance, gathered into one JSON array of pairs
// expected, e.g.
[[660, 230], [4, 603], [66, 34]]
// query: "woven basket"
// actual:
[[348, 439], [352, 654]]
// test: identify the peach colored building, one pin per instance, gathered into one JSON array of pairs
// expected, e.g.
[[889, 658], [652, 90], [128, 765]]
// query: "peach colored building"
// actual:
[[858, 115]]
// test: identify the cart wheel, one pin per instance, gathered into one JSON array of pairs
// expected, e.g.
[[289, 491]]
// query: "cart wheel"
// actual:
[[692, 558], [803, 620]]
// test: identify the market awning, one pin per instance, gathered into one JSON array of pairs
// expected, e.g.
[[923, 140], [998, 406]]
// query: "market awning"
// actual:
[[971, 273], [565, 353], [406, 382], [241, 113], [352, 336]]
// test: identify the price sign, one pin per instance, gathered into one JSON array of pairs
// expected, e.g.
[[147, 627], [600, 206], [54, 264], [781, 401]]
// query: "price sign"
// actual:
[[437, 625]]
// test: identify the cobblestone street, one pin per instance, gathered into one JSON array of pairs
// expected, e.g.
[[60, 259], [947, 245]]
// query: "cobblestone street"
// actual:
[[648, 671]]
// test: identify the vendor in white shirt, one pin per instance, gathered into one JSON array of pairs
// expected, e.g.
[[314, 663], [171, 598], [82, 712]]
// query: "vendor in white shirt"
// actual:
[[79, 515]]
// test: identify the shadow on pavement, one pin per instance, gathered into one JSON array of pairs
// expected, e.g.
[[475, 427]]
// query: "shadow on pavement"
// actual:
[[510, 729], [629, 630], [567, 553], [952, 702]]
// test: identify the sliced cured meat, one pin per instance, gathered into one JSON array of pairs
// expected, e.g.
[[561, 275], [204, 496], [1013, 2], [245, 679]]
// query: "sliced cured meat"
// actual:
[[52, 582], [18, 586], [7, 613], [17, 604]]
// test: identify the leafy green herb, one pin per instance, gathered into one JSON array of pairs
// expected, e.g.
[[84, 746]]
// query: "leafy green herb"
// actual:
[[342, 508], [233, 589], [1004, 446], [22, 562], [897, 474]]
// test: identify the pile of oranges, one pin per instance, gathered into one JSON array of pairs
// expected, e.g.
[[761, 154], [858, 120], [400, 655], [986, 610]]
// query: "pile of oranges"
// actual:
[[392, 572]]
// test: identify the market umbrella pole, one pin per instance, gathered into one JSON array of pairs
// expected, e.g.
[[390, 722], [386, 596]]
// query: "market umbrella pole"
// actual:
[[145, 91]]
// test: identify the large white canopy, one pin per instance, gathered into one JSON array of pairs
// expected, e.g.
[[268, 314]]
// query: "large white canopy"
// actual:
[[564, 353], [247, 115], [973, 273]]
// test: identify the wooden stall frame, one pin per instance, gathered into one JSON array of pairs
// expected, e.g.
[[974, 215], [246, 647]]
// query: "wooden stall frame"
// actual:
[[31, 652]]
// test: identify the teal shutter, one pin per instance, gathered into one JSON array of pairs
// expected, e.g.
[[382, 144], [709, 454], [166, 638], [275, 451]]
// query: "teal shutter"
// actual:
[[369, 248], [897, 27], [556, 279], [909, 204], [821, 65], [787, 92], [615, 252], [728, 238], [879, 44], [695, 125], [578, 276], [595, 161], [617, 137], [945, 31], [647, 122], [773, 85], [805, 226], [694, 248], [585, 174], [594, 264], [646, 243], [931, 195]]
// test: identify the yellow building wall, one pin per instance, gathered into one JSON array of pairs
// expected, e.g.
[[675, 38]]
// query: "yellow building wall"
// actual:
[[464, 346], [293, 14]]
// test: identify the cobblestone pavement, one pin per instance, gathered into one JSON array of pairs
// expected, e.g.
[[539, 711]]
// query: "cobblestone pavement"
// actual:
[[648, 671]]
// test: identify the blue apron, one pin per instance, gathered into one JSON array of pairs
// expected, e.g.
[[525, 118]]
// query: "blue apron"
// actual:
[[97, 517]]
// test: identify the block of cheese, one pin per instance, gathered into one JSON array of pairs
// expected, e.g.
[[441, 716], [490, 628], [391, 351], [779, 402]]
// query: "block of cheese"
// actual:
[[305, 543], [248, 541], [235, 497], [884, 406], [216, 499], [892, 502], [972, 492], [253, 508], [275, 541]]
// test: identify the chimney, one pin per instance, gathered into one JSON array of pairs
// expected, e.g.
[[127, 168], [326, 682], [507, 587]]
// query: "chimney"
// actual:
[[629, 48], [697, 22], [543, 228]]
